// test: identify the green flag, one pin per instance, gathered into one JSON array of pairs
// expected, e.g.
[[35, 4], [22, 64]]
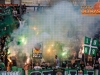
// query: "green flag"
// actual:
[[90, 46], [93, 51], [87, 40], [94, 42], [86, 49]]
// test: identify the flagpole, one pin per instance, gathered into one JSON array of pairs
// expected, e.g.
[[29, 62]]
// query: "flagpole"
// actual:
[[84, 56], [94, 61], [84, 59]]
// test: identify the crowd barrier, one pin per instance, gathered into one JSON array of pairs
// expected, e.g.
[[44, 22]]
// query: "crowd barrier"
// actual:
[[61, 72], [51, 72], [10, 73], [15, 71]]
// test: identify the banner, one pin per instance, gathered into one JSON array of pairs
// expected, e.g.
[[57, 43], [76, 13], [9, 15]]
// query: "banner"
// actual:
[[40, 72], [90, 46], [73, 72], [37, 50], [54, 72], [50, 72], [34, 72], [10, 73], [89, 72], [70, 72], [58, 71]]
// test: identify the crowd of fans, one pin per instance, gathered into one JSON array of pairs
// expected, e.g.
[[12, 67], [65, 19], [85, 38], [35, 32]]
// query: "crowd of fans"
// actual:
[[47, 65], [42, 66], [3, 51], [80, 64], [16, 16], [15, 7], [17, 11], [76, 64]]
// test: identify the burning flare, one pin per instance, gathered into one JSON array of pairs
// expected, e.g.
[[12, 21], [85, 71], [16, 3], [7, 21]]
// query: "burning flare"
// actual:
[[9, 60], [27, 61]]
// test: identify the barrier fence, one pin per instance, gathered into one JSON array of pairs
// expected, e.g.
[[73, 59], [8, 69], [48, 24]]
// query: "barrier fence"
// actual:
[[15, 71], [51, 72], [10, 73], [61, 72]]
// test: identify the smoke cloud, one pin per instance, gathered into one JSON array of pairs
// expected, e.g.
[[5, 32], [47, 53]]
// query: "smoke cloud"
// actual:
[[60, 23]]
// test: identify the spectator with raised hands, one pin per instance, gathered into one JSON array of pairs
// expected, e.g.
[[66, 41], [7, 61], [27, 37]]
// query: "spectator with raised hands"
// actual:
[[21, 22]]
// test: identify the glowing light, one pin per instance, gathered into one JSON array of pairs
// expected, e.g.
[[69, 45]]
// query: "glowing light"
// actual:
[[27, 61], [12, 54], [83, 51], [9, 60], [44, 46], [82, 48], [37, 33], [49, 50], [8, 51], [22, 40], [52, 45], [63, 54], [34, 28]]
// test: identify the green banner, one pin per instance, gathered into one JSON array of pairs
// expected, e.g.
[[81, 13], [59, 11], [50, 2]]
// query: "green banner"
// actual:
[[51, 72], [40, 72], [61, 72], [89, 72], [71, 71]]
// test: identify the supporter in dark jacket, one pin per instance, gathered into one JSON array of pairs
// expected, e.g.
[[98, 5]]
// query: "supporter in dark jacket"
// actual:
[[43, 66], [96, 65], [48, 66], [82, 65]]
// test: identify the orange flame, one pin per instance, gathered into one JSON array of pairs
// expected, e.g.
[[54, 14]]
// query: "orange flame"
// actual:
[[82, 48], [9, 60], [27, 61]]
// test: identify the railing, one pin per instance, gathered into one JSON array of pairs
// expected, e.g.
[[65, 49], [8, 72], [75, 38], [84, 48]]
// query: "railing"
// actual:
[[61, 72], [38, 8], [10, 73], [51, 72]]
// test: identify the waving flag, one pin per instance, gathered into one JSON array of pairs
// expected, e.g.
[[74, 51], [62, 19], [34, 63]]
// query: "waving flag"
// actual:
[[90, 46]]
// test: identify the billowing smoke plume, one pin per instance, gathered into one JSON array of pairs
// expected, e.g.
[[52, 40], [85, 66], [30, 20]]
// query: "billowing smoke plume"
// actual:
[[60, 23]]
